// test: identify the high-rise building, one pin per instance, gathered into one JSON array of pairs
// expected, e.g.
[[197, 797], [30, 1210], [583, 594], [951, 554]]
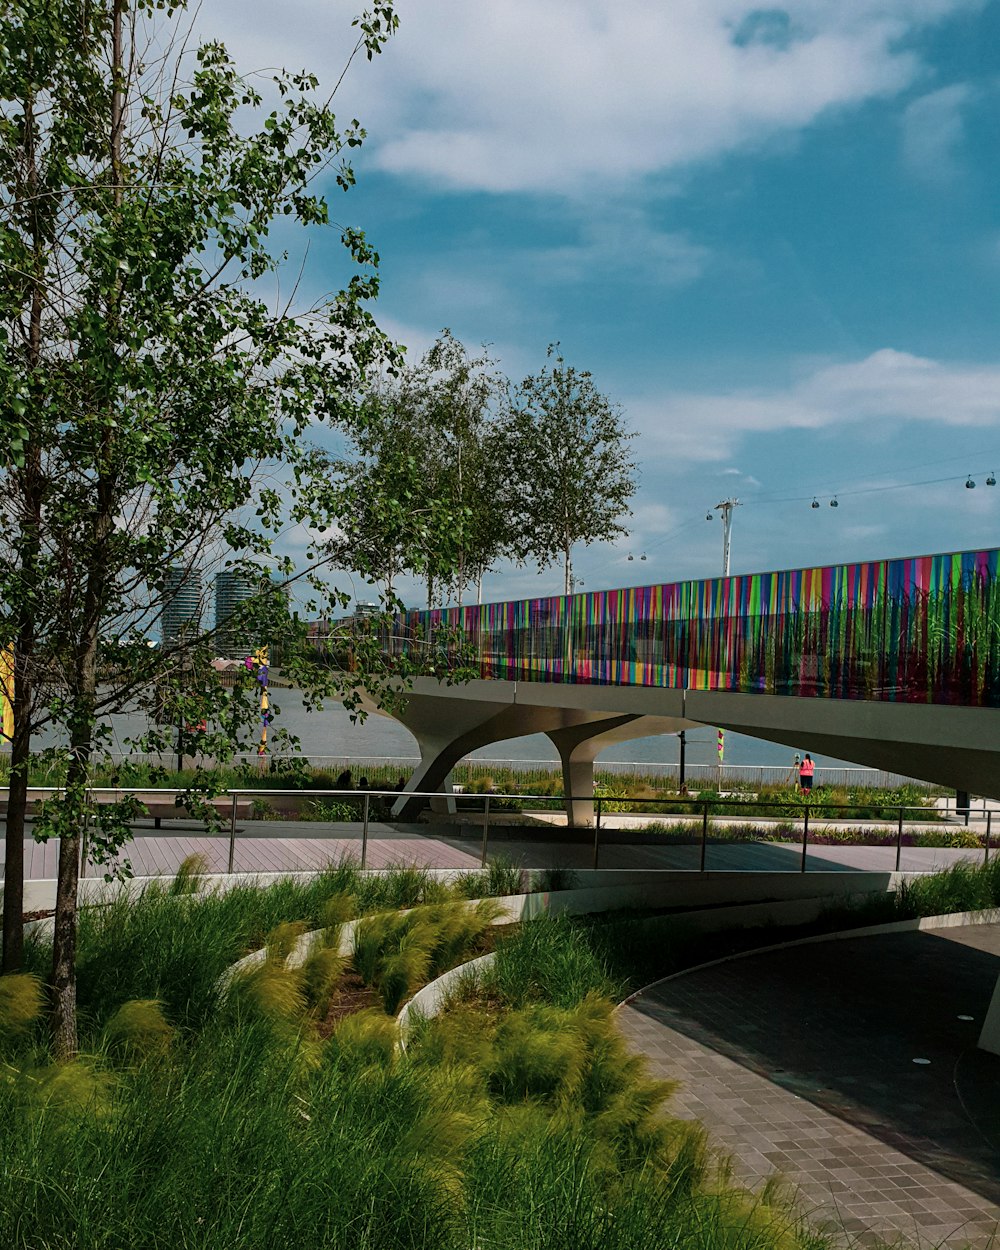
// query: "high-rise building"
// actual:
[[232, 589], [182, 604]]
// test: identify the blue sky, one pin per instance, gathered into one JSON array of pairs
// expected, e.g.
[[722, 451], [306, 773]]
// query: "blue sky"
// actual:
[[771, 233]]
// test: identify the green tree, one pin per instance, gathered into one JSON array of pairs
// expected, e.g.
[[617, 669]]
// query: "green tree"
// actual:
[[422, 484], [154, 402], [570, 474]]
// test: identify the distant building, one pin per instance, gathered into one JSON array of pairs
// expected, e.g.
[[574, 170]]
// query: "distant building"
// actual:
[[182, 604], [232, 590]]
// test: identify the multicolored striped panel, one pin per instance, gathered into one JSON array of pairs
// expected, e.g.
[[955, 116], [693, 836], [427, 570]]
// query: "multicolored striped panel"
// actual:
[[920, 630]]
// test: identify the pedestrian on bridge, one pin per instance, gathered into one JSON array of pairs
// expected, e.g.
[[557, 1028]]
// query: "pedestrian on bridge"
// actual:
[[806, 770]]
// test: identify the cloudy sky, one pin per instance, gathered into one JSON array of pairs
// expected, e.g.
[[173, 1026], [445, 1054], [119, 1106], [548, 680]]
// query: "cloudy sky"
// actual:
[[771, 234]]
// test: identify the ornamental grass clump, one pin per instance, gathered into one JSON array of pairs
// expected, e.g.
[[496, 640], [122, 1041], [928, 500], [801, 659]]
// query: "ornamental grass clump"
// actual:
[[22, 1001], [962, 887], [172, 945], [397, 952], [189, 876], [499, 878], [138, 1031], [546, 960], [529, 1128]]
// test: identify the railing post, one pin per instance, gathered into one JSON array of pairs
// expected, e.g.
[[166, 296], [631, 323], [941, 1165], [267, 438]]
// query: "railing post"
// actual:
[[899, 839], [597, 832], [704, 837], [232, 833], [986, 849], [364, 832], [805, 837], [486, 829]]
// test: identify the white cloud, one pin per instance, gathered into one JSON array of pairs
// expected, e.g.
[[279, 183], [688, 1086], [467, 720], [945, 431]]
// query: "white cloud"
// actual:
[[577, 95], [885, 387], [932, 131], [622, 239]]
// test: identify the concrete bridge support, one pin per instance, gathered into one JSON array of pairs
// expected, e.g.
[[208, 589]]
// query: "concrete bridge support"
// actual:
[[578, 747], [448, 722]]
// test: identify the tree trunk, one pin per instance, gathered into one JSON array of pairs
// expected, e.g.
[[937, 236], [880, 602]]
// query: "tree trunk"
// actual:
[[74, 813], [17, 801], [31, 495], [568, 569], [83, 679], [64, 942]]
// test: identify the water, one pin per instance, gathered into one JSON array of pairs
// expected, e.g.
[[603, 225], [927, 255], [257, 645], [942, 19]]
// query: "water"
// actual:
[[332, 733]]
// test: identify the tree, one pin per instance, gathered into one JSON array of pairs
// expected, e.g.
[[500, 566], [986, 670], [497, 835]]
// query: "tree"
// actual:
[[567, 449], [425, 474], [155, 404]]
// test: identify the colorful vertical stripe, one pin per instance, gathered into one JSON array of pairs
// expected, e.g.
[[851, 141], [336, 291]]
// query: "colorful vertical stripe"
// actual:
[[921, 630]]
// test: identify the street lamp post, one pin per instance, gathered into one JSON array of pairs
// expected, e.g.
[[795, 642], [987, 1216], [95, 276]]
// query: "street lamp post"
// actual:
[[726, 508]]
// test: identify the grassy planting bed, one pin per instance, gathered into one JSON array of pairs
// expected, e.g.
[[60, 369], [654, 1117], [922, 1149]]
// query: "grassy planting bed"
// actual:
[[263, 1117]]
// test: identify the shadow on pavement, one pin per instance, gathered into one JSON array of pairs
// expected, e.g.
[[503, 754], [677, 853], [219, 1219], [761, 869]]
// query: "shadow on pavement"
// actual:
[[840, 1025]]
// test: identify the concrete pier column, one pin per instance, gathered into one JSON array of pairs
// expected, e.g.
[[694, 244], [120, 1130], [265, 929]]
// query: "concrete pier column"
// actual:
[[578, 747]]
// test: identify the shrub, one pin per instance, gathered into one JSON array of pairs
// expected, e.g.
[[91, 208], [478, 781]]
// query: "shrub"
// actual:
[[332, 811]]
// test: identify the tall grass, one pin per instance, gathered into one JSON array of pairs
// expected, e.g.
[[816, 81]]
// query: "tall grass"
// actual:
[[397, 952], [172, 942], [559, 959], [545, 961], [199, 1123], [537, 1131]]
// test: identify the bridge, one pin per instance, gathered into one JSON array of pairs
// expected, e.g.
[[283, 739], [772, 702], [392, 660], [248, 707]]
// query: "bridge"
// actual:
[[889, 663]]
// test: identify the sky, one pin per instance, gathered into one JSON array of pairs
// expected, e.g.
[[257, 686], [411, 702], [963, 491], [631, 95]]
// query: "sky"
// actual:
[[770, 233]]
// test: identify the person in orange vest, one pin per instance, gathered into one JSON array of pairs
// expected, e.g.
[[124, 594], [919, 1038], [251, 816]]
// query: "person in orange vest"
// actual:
[[806, 770]]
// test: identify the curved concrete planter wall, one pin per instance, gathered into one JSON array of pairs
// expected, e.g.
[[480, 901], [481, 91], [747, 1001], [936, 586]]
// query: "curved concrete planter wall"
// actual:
[[428, 1001], [794, 899]]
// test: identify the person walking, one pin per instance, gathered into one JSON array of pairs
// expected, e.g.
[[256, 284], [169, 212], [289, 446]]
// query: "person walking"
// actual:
[[806, 770]]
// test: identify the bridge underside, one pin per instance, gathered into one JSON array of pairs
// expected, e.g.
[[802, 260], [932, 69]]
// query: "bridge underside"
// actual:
[[951, 746]]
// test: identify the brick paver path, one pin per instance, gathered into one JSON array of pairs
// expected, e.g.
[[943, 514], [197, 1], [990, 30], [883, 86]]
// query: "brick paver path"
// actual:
[[800, 1062]]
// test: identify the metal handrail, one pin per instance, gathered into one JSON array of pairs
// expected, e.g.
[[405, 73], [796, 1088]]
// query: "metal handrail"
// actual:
[[699, 807]]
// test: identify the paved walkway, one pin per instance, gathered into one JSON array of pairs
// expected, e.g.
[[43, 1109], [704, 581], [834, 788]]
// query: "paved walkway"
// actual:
[[801, 1062], [288, 846]]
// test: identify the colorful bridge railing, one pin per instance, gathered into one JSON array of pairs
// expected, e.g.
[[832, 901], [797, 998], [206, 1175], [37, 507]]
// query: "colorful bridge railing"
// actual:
[[919, 630]]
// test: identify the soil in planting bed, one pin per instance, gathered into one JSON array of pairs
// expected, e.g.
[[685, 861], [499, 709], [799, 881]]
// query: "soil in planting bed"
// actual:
[[350, 996], [353, 995]]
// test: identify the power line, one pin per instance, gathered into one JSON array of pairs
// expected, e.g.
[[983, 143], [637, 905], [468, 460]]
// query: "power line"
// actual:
[[812, 500]]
